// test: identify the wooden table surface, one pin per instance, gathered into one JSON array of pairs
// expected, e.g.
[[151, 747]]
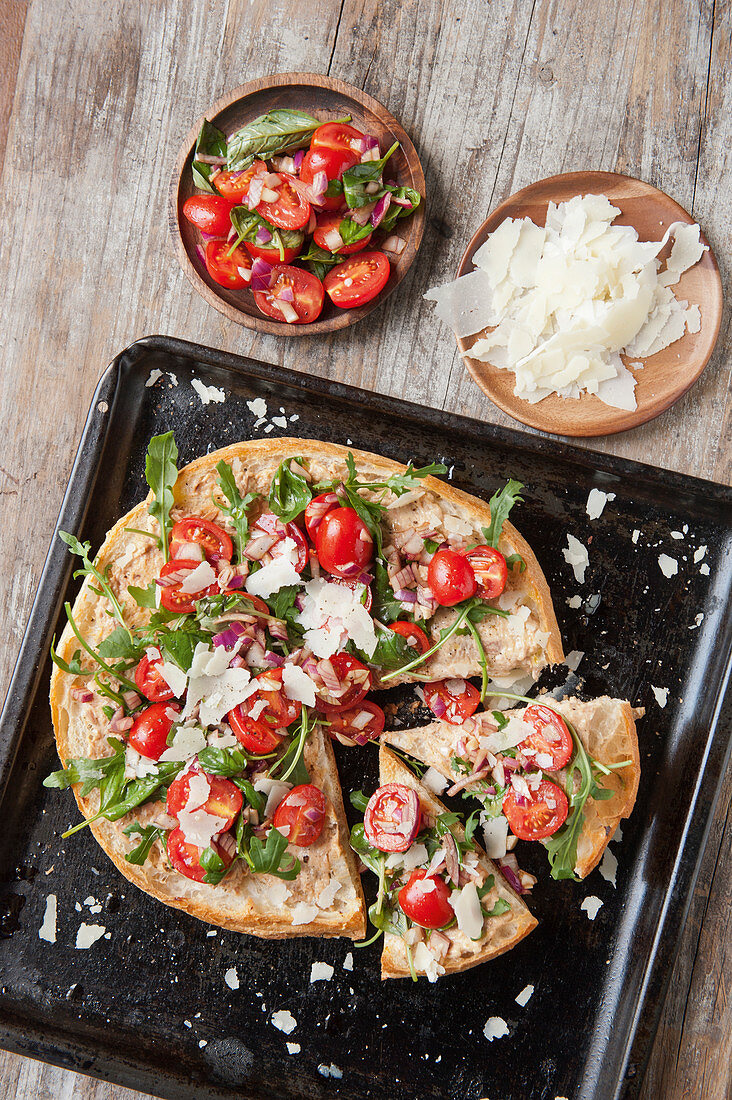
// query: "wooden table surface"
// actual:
[[95, 99]]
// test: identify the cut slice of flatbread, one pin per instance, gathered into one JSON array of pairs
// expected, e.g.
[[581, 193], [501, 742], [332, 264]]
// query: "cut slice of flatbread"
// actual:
[[606, 728], [501, 932]]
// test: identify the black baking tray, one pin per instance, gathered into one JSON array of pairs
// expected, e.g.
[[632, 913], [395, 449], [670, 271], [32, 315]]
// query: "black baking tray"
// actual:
[[148, 1007]]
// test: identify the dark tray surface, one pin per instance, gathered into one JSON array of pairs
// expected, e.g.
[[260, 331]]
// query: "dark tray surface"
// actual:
[[119, 1010]]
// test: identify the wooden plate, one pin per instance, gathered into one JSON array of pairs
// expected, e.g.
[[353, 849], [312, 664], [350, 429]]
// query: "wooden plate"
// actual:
[[666, 376], [324, 98]]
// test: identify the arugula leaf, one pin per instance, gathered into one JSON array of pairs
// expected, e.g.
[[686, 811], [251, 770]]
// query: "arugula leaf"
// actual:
[[237, 508], [471, 611], [290, 493], [292, 758], [214, 866], [355, 180], [461, 765], [119, 646], [149, 834], [89, 569], [279, 131], [270, 857], [87, 771], [144, 597], [500, 505], [179, 646], [211, 142], [359, 801], [501, 906], [73, 667], [471, 825], [115, 673], [118, 797], [386, 607], [500, 718], [516, 559], [161, 475]]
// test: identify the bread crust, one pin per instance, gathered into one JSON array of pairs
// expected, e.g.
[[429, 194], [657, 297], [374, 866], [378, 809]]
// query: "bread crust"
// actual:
[[504, 932], [606, 728], [134, 559]]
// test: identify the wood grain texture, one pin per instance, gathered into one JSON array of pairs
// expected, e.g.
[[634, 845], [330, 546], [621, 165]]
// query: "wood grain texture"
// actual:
[[494, 96]]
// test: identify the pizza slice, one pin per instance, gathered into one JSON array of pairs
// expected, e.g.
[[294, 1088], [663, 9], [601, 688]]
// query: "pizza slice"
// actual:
[[565, 772], [443, 905]]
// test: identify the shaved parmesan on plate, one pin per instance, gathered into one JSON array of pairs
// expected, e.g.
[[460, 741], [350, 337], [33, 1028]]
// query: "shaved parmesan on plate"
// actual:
[[284, 1020], [563, 301], [577, 556], [591, 906], [495, 1028]]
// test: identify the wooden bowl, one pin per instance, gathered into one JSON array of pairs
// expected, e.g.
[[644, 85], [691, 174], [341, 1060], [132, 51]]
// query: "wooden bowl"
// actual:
[[324, 98], [666, 376]]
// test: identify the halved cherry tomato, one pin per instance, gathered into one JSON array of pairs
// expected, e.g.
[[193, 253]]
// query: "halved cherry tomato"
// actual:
[[149, 732], [364, 590], [257, 604], [332, 221], [451, 578], [428, 908], [224, 269], [539, 816], [209, 213], [300, 815], [261, 728], [316, 509], [150, 682], [338, 147], [212, 539], [235, 185], [272, 255], [392, 818], [412, 634], [357, 280], [316, 161], [491, 571], [171, 596], [270, 524], [307, 292], [186, 858], [344, 543], [289, 210], [355, 681], [551, 737], [351, 727], [224, 799], [458, 699]]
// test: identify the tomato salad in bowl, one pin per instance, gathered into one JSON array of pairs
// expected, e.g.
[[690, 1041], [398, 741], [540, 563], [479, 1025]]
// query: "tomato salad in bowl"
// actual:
[[298, 211]]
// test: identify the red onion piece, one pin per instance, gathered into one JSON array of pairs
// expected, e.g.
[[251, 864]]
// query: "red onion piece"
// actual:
[[437, 706], [257, 547], [286, 294], [263, 235], [377, 214], [363, 213], [298, 158], [201, 254], [319, 184], [273, 660], [255, 192], [278, 630], [236, 582], [405, 595], [394, 244], [510, 876]]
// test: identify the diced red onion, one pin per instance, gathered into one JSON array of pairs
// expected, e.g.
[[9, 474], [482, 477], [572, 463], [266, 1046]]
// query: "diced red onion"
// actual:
[[236, 582], [452, 861], [370, 154], [312, 224], [437, 706], [190, 551], [254, 197], [132, 699], [255, 655], [510, 876], [394, 244], [377, 214], [310, 666], [403, 578], [201, 254], [287, 310], [257, 547], [227, 638], [405, 595], [210, 236], [286, 294], [237, 662], [263, 235], [300, 601], [272, 179], [232, 233], [317, 509], [399, 201], [319, 184], [82, 695], [209, 158], [273, 660], [278, 630], [298, 158], [328, 675], [306, 191], [245, 273], [363, 213], [269, 195], [333, 240]]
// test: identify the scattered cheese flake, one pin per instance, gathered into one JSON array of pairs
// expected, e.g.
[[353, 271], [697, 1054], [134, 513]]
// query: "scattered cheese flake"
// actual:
[[276, 574], [298, 685], [216, 687], [199, 578], [330, 1071], [434, 782], [232, 978], [275, 790], [327, 895], [704, 569], [596, 502], [495, 833], [203, 1043], [332, 614], [575, 601], [175, 677], [698, 620], [591, 905], [153, 377], [320, 972], [669, 566], [661, 695], [348, 961], [284, 1020], [577, 556], [609, 867], [207, 393], [187, 742], [466, 904], [677, 534], [293, 1048], [47, 931], [699, 553], [525, 996], [89, 934], [280, 421], [572, 660], [495, 1028], [426, 963], [302, 913], [258, 407], [636, 536]]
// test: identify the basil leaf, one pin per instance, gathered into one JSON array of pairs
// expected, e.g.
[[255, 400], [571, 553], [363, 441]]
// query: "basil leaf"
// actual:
[[359, 801], [278, 131], [355, 180], [372, 857], [500, 505], [179, 646], [351, 231], [254, 798], [237, 508], [500, 718], [319, 260], [395, 211], [501, 906], [161, 475], [214, 866], [211, 142], [118, 646], [149, 834], [283, 607], [226, 762], [144, 597], [392, 650], [335, 187], [290, 493]]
